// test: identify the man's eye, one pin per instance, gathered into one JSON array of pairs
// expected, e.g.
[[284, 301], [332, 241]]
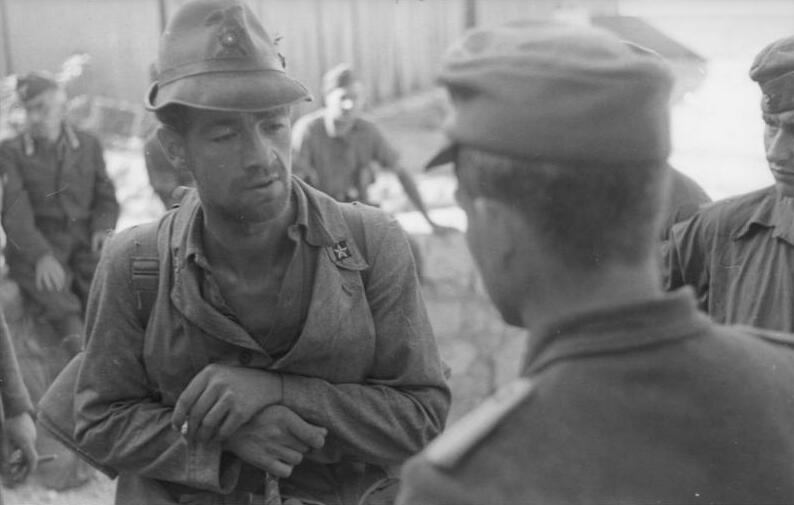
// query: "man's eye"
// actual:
[[223, 137], [273, 126]]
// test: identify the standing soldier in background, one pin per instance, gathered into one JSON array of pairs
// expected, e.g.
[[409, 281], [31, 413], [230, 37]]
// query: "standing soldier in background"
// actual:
[[58, 208], [738, 254], [337, 150], [627, 394]]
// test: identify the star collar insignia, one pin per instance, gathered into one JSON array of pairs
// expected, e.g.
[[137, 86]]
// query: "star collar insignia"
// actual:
[[341, 250]]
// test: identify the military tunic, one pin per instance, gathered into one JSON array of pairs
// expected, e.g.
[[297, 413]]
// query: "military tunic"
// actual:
[[357, 357], [644, 403], [738, 255], [55, 197]]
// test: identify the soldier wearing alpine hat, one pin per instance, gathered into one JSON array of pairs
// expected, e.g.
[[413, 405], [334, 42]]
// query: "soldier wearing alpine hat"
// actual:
[[288, 339]]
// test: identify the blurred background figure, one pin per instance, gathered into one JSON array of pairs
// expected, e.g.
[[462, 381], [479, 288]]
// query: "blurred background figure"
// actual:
[[58, 208], [18, 443], [338, 151]]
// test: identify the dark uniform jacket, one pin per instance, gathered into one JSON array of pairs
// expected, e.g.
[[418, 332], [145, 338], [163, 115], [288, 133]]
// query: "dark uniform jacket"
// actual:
[[738, 255], [645, 403], [362, 360], [61, 186]]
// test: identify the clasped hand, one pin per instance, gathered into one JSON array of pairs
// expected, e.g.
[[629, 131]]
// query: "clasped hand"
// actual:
[[222, 398]]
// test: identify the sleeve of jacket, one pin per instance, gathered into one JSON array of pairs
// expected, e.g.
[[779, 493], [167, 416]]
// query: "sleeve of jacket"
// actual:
[[686, 259], [119, 420], [403, 404], [18, 218], [15, 395], [105, 211]]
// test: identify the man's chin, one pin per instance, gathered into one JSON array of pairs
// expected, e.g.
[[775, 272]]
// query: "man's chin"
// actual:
[[785, 189]]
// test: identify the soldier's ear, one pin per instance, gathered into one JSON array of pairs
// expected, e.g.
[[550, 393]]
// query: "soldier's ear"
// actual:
[[173, 146]]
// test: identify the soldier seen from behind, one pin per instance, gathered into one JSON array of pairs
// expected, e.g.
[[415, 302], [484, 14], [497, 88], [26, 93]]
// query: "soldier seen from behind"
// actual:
[[627, 394]]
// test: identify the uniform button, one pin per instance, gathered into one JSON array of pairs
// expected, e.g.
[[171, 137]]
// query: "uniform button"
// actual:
[[245, 357]]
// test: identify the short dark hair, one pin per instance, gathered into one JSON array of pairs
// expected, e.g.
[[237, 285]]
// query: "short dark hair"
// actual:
[[591, 213]]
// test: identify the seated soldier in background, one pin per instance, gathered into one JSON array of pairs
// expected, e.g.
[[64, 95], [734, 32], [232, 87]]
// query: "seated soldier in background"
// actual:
[[627, 394], [59, 206]]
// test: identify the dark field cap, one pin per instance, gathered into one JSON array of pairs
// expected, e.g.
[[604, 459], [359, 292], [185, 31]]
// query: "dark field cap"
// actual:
[[341, 76], [215, 55], [34, 84], [548, 90], [773, 70]]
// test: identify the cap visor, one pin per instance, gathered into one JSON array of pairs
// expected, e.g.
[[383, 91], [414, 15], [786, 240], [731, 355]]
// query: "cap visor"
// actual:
[[229, 91], [446, 155]]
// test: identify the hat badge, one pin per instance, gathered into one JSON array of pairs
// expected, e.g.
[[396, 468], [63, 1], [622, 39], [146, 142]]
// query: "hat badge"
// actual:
[[231, 35]]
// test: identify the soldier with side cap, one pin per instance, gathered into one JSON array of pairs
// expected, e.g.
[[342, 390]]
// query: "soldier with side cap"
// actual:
[[59, 206], [627, 394], [288, 339], [738, 254]]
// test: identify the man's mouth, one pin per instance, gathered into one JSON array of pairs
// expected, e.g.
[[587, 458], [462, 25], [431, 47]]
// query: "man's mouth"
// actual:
[[266, 182]]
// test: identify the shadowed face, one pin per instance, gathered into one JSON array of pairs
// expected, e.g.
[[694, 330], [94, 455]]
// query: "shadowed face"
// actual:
[[241, 162], [343, 105], [779, 145], [491, 236], [45, 112]]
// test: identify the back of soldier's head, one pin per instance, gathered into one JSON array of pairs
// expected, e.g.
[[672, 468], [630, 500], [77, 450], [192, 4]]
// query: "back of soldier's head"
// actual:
[[566, 124]]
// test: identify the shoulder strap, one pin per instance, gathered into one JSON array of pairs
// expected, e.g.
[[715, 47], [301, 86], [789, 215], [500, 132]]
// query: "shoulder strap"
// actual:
[[145, 273], [355, 222]]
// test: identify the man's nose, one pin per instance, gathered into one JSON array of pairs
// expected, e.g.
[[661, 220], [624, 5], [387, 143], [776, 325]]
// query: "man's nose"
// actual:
[[781, 146], [258, 151]]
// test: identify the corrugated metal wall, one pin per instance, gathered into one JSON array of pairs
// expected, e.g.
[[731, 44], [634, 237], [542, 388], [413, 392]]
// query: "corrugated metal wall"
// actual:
[[395, 44]]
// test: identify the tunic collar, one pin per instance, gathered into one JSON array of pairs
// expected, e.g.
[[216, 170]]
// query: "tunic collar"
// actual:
[[640, 324], [773, 211]]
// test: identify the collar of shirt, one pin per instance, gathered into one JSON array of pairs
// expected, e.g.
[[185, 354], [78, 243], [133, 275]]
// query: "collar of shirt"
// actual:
[[774, 211], [67, 138], [618, 329], [194, 247]]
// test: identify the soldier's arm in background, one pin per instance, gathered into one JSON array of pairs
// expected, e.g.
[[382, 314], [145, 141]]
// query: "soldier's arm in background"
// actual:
[[687, 258], [105, 208], [17, 212], [388, 157], [19, 430]]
